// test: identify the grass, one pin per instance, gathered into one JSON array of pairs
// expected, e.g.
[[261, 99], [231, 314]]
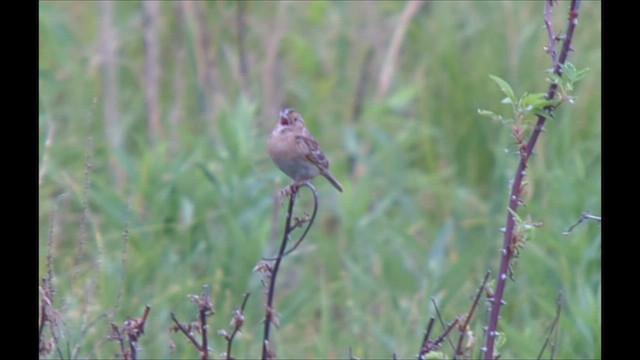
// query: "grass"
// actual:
[[426, 177]]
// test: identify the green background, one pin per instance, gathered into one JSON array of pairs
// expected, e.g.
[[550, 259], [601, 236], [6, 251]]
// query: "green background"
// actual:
[[426, 178]]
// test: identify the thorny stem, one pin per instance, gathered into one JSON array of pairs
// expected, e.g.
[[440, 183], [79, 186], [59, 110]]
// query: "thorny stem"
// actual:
[[270, 311], [507, 251]]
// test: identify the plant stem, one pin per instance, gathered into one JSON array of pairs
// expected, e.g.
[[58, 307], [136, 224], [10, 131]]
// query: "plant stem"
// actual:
[[507, 250]]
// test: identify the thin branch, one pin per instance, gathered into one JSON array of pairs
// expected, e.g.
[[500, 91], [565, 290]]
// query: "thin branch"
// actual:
[[584, 216], [551, 49], [116, 336], [553, 329], [428, 345], [438, 342], [508, 250], [463, 328], [270, 317], [425, 339], [205, 310], [133, 328], [125, 246], [444, 326], [236, 321], [186, 332], [88, 166]]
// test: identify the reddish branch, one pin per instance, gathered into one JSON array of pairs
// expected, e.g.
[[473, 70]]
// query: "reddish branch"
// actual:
[[508, 248]]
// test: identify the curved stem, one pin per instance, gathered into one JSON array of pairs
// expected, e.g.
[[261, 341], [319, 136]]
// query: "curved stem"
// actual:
[[309, 223]]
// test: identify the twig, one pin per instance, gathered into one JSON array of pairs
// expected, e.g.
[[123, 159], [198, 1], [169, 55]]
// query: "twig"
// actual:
[[116, 336], [463, 328], [425, 339], [553, 329], [237, 320], [125, 246], [444, 326], [428, 345], [584, 216], [270, 313], [132, 328], [205, 308], [88, 166], [507, 250], [186, 332]]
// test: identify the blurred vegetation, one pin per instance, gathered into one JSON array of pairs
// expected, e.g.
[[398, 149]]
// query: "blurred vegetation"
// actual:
[[170, 105]]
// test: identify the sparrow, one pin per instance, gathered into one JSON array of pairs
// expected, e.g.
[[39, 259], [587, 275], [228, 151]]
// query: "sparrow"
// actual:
[[296, 152]]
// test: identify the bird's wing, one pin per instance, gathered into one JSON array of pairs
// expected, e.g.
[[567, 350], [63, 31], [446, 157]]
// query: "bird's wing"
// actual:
[[311, 149]]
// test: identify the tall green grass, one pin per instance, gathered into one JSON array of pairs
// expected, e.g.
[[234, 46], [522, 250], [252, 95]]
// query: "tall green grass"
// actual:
[[426, 178]]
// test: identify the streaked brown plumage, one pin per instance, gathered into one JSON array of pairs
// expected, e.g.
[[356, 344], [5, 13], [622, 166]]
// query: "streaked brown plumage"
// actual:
[[296, 152]]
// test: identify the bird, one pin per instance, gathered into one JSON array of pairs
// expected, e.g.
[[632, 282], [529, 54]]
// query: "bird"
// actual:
[[296, 152]]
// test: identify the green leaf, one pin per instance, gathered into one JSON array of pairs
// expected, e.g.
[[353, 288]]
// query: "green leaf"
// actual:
[[506, 89], [537, 101], [572, 73], [490, 114]]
